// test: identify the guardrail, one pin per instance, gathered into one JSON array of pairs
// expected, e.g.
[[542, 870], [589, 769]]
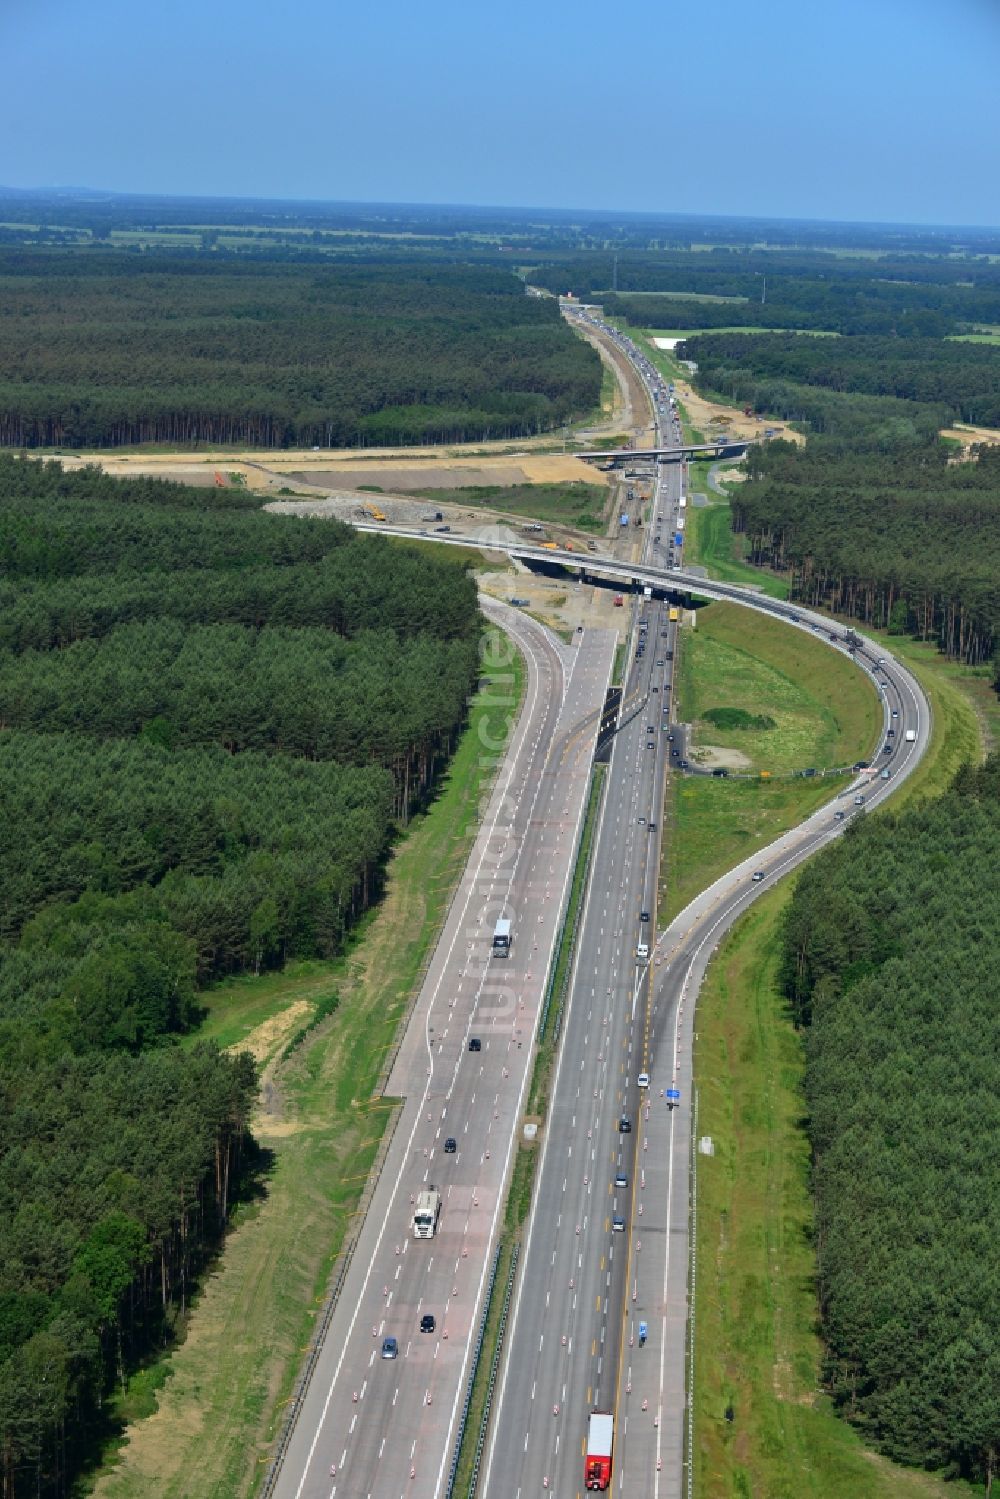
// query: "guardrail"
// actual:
[[494, 1370], [340, 1270], [464, 1418]]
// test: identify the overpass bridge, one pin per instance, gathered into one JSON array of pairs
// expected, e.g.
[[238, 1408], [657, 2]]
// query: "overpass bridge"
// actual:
[[626, 576], [723, 448]]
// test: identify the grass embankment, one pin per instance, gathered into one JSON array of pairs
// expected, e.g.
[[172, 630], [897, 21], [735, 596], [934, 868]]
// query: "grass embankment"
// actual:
[[610, 398], [481, 559], [710, 541], [224, 1390], [757, 1352], [574, 504], [824, 712], [522, 1177]]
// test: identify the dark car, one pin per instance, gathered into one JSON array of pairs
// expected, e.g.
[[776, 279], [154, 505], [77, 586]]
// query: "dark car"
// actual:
[[839, 816], [427, 1323], [887, 749], [860, 765], [624, 1125], [644, 916], [390, 1348], [720, 772], [450, 1145], [685, 765], [475, 1044], [757, 876]]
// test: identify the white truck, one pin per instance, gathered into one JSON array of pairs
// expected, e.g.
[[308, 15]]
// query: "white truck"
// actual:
[[426, 1212], [910, 736], [502, 938]]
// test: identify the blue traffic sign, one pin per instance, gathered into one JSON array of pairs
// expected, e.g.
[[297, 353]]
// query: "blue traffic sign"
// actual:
[[673, 1093]]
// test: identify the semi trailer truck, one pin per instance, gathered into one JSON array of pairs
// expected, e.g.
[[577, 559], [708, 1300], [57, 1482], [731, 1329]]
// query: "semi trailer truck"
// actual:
[[501, 938], [600, 1441], [426, 1212]]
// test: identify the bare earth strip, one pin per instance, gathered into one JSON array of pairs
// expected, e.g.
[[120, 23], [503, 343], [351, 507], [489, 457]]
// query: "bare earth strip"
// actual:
[[969, 435]]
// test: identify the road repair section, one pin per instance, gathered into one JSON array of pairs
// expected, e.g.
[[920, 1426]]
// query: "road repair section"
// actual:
[[370, 1422]]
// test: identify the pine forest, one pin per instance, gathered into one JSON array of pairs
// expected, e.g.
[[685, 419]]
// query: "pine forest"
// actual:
[[212, 723]]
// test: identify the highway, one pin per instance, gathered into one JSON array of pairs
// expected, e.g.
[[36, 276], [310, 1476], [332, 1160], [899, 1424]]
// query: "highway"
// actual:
[[565, 1338], [584, 1287], [369, 1425]]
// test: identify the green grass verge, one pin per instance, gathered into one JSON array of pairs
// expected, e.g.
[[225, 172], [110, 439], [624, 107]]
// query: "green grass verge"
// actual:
[[480, 560], [711, 543], [757, 1352], [824, 711], [220, 1395], [575, 504], [713, 825], [609, 392], [825, 714]]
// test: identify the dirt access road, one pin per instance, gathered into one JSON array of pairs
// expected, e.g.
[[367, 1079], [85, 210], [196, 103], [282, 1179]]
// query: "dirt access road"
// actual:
[[546, 459]]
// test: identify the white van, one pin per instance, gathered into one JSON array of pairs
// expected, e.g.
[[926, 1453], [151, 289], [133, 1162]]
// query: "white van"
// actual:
[[642, 950]]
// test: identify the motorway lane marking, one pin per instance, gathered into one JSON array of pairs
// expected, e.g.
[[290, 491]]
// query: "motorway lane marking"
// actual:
[[473, 886]]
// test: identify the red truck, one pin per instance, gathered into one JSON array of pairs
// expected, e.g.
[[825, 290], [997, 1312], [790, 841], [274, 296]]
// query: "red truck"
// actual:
[[600, 1440]]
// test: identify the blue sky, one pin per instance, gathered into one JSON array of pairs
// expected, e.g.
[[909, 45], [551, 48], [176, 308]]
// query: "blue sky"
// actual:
[[859, 109]]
